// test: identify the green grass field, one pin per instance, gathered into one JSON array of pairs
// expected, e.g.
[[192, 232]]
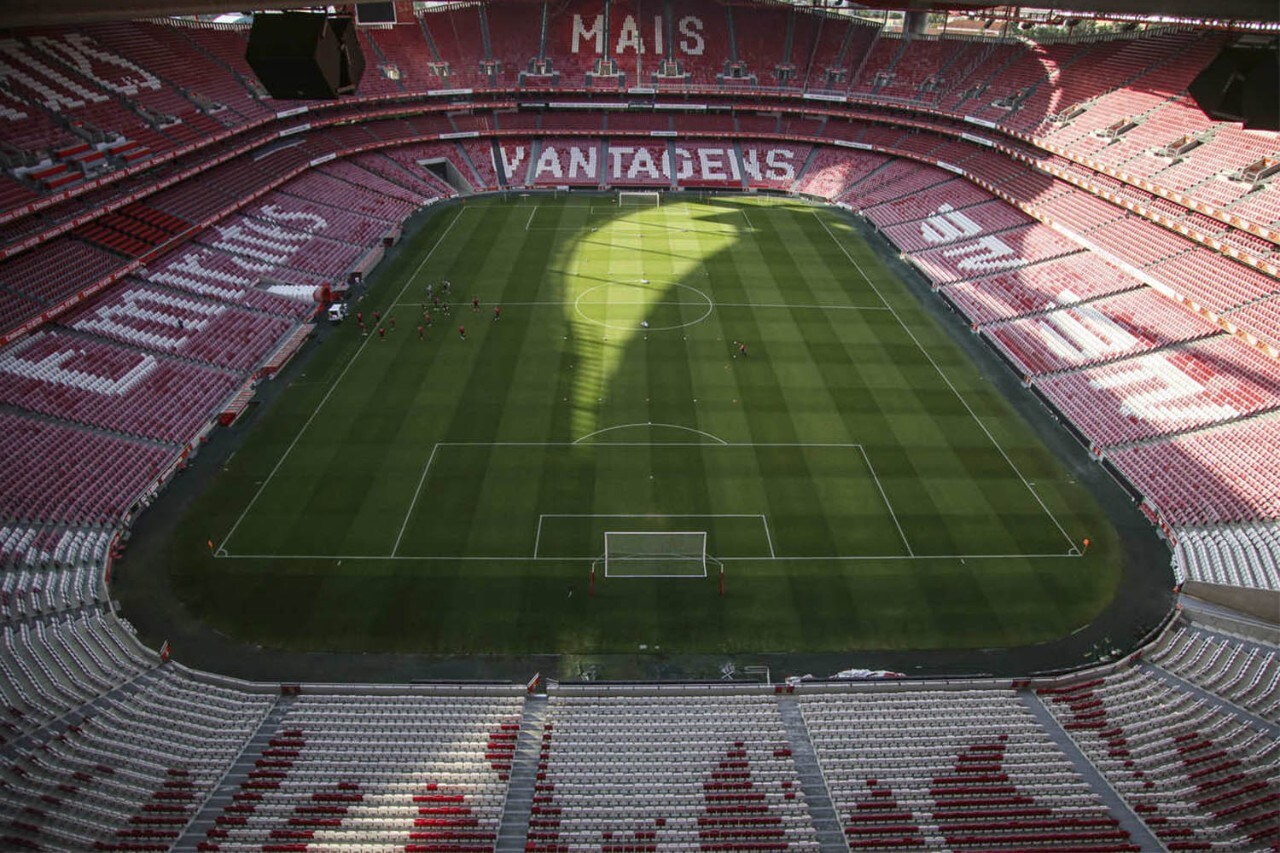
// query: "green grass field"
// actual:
[[860, 482]]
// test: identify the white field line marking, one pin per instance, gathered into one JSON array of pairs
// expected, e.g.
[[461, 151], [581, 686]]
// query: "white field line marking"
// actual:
[[885, 498], [413, 503], [651, 424], [531, 213], [562, 303], [768, 537], [812, 307], [954, 390], [654, 444], [537, 540], [334, 386], [651, 515], [744, 216], [475, 558]]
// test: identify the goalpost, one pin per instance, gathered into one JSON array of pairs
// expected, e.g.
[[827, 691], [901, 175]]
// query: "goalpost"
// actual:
[[653, 554], [639, 198]]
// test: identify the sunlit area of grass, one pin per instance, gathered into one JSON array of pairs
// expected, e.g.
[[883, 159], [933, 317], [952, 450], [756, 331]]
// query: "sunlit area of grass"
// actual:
[[733, 366]]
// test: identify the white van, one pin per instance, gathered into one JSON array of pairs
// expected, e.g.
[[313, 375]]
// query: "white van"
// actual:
[[337, 312]]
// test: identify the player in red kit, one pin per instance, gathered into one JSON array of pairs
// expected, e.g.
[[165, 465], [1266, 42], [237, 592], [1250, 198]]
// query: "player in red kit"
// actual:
[[419, 331], [475, 303], [382, 332], [497, 313], [462, 332]]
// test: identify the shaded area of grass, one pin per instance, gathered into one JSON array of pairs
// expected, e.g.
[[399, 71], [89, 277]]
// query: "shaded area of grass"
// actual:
[[828, 364]]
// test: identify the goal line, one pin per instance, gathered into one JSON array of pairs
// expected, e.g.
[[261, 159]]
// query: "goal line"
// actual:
[[636, 538]]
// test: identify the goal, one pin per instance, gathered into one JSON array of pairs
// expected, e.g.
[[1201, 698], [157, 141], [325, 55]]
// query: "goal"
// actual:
[[649, 554], [639, 198]]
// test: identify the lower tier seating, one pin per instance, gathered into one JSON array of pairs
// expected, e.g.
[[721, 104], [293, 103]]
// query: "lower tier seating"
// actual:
[[1246, 555], [649, 773]]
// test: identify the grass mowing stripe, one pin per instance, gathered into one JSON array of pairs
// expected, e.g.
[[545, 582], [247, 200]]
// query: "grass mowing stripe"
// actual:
[[771, 420], [334, 386], [816, 371], [911, 334]]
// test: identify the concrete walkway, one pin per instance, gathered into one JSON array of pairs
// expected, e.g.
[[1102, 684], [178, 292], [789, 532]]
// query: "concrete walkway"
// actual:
[[1139, 834], [513, 831], [825, 820]]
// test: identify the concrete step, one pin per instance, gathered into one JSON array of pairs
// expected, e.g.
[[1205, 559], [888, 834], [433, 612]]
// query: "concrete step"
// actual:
[[826, 822], [513, 831]]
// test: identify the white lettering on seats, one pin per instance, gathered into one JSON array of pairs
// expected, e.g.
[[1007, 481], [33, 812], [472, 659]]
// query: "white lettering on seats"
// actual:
[[52, 369], [189, 272], [1160, 391], [293, 217], [582, 162], [984, 255], [155, 320], [595, 32], [9, 112], [948, 224], [548, 164], [16, 59], [80, 51], [1083, 333], [693, 44], [511, 159]]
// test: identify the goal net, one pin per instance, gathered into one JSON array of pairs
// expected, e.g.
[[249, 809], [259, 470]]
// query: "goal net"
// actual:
[[639, 198], [645, 554]]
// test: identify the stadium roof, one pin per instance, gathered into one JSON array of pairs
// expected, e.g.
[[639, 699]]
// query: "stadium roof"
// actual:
[[41, 12]]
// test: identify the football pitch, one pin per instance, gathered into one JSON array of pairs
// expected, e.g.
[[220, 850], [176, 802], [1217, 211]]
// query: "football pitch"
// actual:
[[858, 481]]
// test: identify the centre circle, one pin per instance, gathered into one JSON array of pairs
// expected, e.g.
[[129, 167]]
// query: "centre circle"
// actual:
[[577, 306]]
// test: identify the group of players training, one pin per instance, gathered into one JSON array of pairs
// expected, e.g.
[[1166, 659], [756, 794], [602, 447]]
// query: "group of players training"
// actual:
[[441, 306], [438, 304]]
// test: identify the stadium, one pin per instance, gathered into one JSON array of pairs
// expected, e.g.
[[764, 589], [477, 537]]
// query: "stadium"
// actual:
[[607, 425]]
